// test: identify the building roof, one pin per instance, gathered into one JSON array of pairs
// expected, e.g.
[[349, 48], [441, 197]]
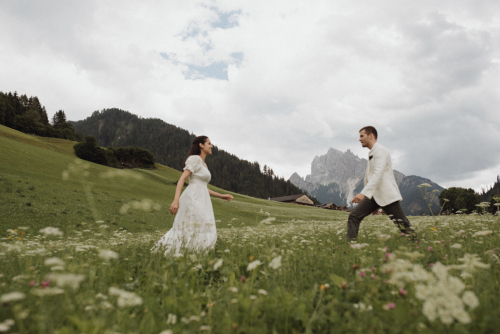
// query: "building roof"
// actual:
[[287, 198]]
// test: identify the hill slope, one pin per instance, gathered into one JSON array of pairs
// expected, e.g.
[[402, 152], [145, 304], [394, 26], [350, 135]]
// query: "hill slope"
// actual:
[[170, 145], [33, 192]]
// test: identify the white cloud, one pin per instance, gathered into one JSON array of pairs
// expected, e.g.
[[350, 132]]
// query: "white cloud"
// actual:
[[312, 74]]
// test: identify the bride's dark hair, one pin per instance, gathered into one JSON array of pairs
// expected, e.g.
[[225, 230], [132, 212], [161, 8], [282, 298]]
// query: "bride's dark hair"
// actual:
[[195, 147]]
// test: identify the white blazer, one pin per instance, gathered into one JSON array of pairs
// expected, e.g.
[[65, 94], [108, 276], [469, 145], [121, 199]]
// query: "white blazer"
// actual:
[[379, 177]]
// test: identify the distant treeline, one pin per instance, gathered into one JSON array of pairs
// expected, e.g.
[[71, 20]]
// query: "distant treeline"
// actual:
[[29, 116], [489, 194], [114, 157], [170, 145]]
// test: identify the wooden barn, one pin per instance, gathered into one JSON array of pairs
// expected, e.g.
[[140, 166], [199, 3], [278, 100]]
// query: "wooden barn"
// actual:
[[330, 206], [300, 199]]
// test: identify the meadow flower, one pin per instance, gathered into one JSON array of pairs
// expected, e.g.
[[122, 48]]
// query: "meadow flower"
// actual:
[[233, 289], [41, 292], [362, 307], [51, 231], [167, 331], [171, 319], [358, 246], [470, 263], [234, 301], [470, 299], [107, 254], [125, 298], [275, 263], [429, 248], [71, 280], [252, 265], [218, 264], [5, 326], [253, 297], [262, 292], [389, 306], [402, 292], [458, 246], [12, 297], [197, 267], [204, 328], [243, 279], [481, 233], [362, 274]]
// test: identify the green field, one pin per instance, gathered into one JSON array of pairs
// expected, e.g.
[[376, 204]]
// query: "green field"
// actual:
[[32, 191], [295, 274]]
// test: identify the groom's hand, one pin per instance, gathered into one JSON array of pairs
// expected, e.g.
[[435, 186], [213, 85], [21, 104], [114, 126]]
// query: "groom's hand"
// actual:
[[358, 198]]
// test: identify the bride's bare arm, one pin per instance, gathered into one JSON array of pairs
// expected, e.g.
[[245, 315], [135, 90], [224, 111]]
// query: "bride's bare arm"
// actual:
[[175, 204], [227, 197]]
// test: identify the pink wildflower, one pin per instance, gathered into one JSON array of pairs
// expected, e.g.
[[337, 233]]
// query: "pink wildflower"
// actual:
[[362, 274], [373, 276], [429, 248], [390, 306], [402, 292]]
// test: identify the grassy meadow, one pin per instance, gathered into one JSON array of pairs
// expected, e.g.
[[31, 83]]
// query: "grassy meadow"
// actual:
[[75, 240]]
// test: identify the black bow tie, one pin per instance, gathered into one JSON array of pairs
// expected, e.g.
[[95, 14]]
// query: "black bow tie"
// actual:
[[371, 156]]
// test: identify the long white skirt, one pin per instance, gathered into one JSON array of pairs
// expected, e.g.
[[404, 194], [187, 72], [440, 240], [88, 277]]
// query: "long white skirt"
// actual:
[[194, 225]]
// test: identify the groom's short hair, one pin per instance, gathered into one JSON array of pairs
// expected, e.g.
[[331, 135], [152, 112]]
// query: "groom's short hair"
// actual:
[[369, 130]]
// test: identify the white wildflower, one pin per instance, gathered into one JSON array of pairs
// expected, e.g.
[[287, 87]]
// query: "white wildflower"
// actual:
[[252, 265], [204, 328], [167, 331], [125, 298], [171, 319], [218, 264], [226, 251], [233, 289], [12, 297], [268, 220], [57, 268], [41, 292], [358, 246], [362, 307], [470, 299], [71, 280], [197, 267], [275, 263], [107, 254], [194, 318], [51, 231], [458, 246], [481, 233], [253, 297], [262, 292]]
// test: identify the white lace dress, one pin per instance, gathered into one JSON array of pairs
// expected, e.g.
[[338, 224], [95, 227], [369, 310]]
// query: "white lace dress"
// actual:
[[194, 225]]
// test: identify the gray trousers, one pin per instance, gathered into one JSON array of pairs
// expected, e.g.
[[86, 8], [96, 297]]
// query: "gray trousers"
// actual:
[[367, 206]]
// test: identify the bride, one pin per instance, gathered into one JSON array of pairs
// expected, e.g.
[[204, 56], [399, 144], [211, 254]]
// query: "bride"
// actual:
[[194, 225]]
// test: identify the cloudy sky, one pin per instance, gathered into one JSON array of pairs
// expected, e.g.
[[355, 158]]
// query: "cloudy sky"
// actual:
[[277, 82]]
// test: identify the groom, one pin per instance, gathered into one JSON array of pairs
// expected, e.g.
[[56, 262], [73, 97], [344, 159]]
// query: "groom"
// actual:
[[381, 189]]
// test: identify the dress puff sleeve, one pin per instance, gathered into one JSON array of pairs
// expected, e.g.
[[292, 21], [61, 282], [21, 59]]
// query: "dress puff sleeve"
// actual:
[[193, 163]]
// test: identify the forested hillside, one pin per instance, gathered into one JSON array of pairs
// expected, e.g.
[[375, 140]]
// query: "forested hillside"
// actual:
[[28, 115], [170, 145]]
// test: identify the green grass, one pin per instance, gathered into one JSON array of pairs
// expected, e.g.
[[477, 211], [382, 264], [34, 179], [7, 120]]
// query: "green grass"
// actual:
[[323, 285]]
